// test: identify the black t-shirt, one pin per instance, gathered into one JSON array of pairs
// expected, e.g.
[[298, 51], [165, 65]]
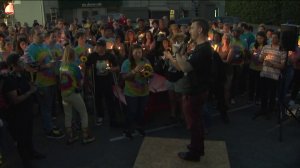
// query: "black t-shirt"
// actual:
[[201, 61], [101, 63], [21, 84]]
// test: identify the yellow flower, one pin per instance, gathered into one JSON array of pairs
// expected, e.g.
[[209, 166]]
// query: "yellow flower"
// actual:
[[147, 71], [83, 59]]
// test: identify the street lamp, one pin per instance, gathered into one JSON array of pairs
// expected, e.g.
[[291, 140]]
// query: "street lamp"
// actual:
[[9, 10]]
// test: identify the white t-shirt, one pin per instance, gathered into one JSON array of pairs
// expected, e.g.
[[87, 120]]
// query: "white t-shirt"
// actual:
[[274, 55]]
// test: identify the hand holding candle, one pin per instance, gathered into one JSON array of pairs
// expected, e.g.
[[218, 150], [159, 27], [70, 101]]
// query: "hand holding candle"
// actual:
[[215, 46], [108, 66], [89, 50], [109, 45]]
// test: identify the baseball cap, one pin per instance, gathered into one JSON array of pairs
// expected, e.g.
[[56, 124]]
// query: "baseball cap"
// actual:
[[101, 43]]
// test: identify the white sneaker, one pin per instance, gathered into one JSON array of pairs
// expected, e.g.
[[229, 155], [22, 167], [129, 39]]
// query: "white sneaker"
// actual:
[[99, 121]]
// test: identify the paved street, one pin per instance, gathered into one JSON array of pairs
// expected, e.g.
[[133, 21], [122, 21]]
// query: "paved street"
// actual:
[[250, 144]]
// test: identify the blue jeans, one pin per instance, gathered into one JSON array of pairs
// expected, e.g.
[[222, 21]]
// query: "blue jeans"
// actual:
[[135, 111], [46, 99]]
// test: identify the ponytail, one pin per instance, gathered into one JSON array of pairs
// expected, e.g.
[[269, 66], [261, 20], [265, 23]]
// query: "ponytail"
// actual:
[[69, 55]]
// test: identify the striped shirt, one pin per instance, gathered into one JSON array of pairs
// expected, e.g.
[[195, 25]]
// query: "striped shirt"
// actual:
[[275, 56]]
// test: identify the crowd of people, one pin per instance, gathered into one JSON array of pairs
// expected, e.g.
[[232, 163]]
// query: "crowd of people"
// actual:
[[69, 67]]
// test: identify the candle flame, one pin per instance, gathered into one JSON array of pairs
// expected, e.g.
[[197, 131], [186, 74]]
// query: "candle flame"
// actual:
[[215, 47]]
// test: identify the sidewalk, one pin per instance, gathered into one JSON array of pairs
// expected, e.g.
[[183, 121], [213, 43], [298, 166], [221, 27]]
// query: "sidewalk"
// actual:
[[250, 143]]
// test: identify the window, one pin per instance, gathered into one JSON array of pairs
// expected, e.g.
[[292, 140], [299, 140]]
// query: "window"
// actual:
[[85, 14], [94, 13]]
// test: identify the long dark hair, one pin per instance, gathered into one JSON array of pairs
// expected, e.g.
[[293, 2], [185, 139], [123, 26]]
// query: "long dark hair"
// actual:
[[277, 33], [262, 34], [151, 39], [131, 59]]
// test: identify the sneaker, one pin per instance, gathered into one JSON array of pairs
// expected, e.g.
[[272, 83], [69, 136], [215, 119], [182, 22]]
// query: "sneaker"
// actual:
[[55, 134], [72, 140], [128, 134], [189, 156], [189, 147], [99, 121], [88, 139]]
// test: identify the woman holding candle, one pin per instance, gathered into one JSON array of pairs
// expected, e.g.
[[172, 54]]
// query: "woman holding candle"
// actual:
[[82, 47], [223, 51], [273, 58], [136, 90], [149, 42], [256, 66]]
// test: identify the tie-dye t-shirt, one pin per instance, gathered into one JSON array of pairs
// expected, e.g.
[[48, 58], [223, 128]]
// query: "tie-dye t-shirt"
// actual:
[[57, 53], [70, 77], [41, 54], [238, 47], [136, 87]]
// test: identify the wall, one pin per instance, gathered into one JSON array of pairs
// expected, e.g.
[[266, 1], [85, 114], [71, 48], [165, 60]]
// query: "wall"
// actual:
[[50, 4], [29, 10], [205, 9]]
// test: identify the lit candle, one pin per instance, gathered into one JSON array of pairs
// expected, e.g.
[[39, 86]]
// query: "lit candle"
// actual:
[[215, 47], [107, 66], [89, 50], [109, 45], [119, 48]]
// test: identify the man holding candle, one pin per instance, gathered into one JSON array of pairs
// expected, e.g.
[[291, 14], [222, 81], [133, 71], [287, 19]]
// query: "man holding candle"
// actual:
[[103, 64], [197, 68]]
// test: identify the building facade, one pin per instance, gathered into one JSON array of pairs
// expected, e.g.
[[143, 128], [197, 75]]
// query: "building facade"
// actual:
[[174, 9], [40, 10]]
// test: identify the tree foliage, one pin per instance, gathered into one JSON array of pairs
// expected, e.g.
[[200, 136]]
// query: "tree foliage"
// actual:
[[265, 11]]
